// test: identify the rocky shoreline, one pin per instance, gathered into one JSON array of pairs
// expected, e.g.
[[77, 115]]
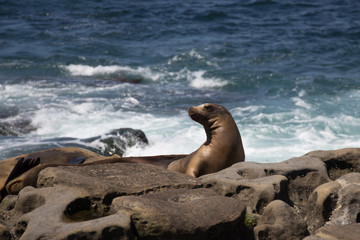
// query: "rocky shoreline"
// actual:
[[312, 197]]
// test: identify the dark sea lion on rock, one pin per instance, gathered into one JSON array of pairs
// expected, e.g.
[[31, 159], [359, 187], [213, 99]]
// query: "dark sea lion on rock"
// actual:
[[222, 148], [25, 171], [56, 155], [12, 168]]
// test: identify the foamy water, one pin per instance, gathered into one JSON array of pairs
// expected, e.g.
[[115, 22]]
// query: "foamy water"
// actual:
[[268, 136]]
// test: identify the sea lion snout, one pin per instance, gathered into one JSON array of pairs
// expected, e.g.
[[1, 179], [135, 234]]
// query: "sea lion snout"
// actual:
[[204, 112]]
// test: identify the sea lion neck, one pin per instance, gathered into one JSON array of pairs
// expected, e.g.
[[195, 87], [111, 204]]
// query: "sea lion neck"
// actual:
[[211, 129]]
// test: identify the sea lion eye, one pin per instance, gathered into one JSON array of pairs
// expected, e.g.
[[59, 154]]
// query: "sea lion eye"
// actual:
[[208, 107]]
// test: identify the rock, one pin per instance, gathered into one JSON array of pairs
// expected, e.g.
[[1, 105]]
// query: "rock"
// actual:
[[304, 174], [341, 232], [184, 214], [76, 202], [109, 144], [339, 162], [108, 199], [116, 179], [255, 193], [312, 237], [280, 221], [39, 214], [6, 130], [117, 141], [347, 209], [335, 203], [4, 233], [321, 203], [16, 127]]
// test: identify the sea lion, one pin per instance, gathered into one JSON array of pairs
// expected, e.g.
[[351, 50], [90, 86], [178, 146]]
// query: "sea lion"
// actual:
[[223, 146], [56, 155], [26, 168]]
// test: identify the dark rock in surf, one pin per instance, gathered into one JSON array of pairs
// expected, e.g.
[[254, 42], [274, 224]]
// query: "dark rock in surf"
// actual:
[[118, 140], [16, 128], [114, 142], [7, 130]]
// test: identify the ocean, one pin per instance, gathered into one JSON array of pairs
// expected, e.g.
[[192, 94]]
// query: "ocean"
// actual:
[[288, 71]]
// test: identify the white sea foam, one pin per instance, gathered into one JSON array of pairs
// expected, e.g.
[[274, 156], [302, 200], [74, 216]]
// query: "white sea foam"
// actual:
[[198, 80], [288, 134], [85, 70], [84, 112], [193, 54], [182, 141], [301, 103], [245, 111], [302, 93]]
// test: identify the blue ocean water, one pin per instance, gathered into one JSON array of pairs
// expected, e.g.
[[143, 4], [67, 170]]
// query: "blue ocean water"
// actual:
[[288, 71]]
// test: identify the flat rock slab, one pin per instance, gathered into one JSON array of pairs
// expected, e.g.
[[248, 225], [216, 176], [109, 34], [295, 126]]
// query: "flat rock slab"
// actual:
[[184, 214], [117, 179]]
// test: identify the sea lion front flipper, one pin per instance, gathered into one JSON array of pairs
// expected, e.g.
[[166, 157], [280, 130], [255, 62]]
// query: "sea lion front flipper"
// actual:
[[192, 172], [22, 166]]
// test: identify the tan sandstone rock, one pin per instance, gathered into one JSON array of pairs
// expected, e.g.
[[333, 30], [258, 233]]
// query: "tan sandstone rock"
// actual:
[[335, 203], [185, 214], [254, 193], [303, 175], [280, 221], [339, 162]]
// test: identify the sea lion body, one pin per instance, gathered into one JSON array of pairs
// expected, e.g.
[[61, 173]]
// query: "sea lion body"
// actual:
[[222, 148], [55, 156], [11, 183]]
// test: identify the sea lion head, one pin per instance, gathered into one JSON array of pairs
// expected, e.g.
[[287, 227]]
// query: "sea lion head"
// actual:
[[208, 113]]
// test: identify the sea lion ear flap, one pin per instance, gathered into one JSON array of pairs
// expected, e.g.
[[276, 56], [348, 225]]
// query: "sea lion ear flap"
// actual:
[[226, 111], [208, 107]]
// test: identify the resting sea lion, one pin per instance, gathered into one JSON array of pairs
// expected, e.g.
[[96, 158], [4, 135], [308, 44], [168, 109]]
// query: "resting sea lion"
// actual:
[[222, 148], [26, 168], [56, 155]]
